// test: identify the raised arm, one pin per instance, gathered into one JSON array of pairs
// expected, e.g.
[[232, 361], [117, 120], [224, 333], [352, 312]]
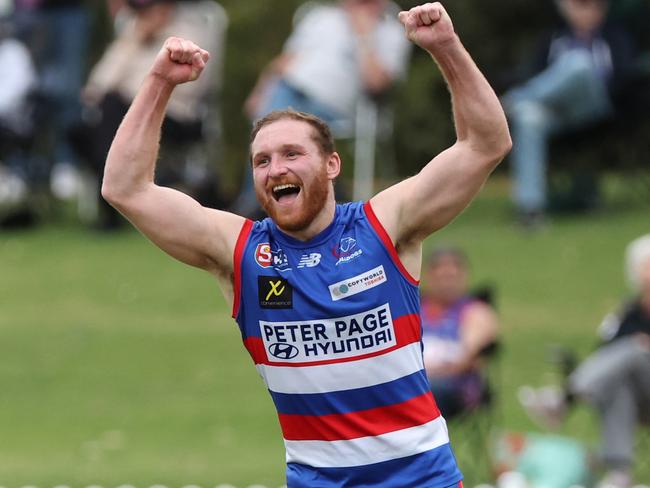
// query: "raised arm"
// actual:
[[175, 222], [418, 206]]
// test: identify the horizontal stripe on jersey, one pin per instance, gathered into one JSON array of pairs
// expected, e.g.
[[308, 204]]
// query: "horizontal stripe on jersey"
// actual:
[[407, 472], [352, 400], [369, 450], [344, 376], [364, 423]]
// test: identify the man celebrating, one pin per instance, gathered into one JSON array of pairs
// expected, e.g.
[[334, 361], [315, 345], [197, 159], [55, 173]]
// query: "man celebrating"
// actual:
[[325, 295]]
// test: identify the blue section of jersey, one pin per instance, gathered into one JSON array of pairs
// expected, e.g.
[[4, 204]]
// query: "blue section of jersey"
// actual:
[[338, 402], [414, 471], [349, 247]]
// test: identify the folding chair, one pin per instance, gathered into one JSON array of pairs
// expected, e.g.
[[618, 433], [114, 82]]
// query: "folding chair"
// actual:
[[471, 430]]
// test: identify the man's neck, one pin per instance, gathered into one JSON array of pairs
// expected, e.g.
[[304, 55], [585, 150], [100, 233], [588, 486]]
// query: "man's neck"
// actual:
[[319, 224]]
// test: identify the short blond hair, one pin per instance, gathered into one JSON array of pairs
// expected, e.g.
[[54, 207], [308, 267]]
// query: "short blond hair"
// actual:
[[322, 135]]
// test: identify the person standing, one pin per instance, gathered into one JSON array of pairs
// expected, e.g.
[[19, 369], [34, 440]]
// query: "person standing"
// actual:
[[325, 295]]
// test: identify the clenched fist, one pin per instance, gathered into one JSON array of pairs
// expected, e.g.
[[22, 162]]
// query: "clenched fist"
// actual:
[[179, 61], [428, 26]]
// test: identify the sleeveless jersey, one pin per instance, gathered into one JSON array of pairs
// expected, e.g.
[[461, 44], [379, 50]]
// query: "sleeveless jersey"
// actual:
[[333, 327]]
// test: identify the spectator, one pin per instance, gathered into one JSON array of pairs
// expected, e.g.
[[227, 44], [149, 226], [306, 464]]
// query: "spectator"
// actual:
[[57, 32], [15, 121], [116, 78], [615, 379], [578, 71], [336, 53], [457, 328]]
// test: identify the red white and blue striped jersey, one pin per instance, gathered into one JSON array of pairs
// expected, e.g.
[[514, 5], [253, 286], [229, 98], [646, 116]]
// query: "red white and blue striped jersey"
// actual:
[[333, 326]]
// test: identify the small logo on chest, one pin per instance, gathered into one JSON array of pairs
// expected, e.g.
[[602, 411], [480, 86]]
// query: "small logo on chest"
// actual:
[[267, 257], [347, 250], [309, 260], [274, 292]]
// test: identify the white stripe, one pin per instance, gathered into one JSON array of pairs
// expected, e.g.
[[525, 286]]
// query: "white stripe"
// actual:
[[343, 376], [369, 450]]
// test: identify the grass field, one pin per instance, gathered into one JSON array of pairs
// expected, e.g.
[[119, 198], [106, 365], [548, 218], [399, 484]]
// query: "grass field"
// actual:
[[119, 365]]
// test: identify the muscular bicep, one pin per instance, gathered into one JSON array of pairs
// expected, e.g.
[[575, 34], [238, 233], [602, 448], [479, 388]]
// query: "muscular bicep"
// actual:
[[184, 229]]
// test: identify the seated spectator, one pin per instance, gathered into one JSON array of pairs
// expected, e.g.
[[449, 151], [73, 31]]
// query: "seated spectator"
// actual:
[[336, 53], [57, 34], [456, 329], [577, 73], [115, 79], [615, 379], [16, 125]]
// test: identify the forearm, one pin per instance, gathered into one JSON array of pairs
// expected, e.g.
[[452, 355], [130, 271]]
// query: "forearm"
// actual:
[[478, 115], [131, 159]]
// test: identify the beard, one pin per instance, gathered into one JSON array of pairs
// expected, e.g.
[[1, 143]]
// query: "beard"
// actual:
[[314, 196]]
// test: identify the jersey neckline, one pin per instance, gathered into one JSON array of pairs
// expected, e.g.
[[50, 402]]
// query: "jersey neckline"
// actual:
[[318, 239]]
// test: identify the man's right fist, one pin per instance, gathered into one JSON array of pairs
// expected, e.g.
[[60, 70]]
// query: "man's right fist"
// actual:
[[179, 61]]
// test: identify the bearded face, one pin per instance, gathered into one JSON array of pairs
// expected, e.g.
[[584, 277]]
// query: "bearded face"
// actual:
[[293, 178], [292, 204]]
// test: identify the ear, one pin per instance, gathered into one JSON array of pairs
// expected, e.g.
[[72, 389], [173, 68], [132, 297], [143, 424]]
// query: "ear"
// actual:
[[333, 166]]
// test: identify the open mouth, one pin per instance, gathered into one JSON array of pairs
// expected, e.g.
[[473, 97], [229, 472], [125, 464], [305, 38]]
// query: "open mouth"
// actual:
[[285, 192]]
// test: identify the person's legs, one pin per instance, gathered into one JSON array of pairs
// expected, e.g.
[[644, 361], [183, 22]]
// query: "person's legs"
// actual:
[[618, 421], [616, 380], [63, 72], [531, 124], [61, 62], [568, 94], [570, 86]]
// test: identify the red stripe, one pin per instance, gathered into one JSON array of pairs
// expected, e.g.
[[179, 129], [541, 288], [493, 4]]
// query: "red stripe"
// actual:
[[388, 242], [407, 331], [372, 422], [237, 258], [255, 347]]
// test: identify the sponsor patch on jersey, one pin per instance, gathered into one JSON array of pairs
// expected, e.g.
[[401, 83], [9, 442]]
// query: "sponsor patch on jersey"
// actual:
[[358, 284], [326, 339], [274, 292], [266, 257], [347, 250]]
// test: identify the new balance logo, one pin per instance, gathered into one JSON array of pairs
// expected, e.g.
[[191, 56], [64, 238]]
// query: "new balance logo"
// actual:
[[309, 260]]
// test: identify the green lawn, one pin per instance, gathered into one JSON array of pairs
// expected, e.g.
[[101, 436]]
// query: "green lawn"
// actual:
[[119, 365]]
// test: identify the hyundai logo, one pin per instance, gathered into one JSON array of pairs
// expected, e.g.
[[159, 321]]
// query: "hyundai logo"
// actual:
[[282, 350]]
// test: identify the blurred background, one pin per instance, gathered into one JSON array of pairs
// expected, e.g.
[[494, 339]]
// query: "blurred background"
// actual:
[[120, 366]]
